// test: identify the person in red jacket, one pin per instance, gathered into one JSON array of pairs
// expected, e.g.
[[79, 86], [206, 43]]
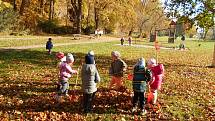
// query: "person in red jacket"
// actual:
[[157, 77]]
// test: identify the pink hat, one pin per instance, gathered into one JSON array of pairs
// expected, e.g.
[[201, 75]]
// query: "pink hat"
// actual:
[[59, 55]]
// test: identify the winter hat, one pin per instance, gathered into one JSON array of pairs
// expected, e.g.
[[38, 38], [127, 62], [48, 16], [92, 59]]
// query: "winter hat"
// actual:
[[69, 58], [141, 62], [152, 61], [59, 55], [115, 53], [91, 53], [89, 59]]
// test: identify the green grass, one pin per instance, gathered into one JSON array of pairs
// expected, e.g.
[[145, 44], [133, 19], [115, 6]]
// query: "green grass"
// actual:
[[27, 80], [14, 41]]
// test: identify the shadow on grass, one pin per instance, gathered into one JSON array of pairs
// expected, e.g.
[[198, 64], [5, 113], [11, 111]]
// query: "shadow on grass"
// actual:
[[35, 95]]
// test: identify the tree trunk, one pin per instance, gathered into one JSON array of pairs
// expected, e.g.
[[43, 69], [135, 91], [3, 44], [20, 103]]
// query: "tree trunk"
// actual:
[[130, 32], [141, 30], [213, 33], [205, 34], [213, 62], [213, 27], [96, 17], [24, 4], [88, 13], [41, 7], [79, 16], [14, 5], [51, 9]]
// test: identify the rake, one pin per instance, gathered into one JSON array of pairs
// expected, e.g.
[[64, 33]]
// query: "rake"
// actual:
[[74, 96]]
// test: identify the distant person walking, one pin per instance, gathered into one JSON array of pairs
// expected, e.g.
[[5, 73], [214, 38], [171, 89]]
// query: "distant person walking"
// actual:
[[122, 40], [182, 45], [130, 40], [49, 45]]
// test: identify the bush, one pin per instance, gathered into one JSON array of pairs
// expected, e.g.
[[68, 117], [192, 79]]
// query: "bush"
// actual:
[[47, 26], [64, 30], [53, 28], [89, 30]]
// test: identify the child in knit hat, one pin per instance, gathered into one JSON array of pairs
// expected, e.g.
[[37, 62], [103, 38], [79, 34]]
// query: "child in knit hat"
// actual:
[[60, 56], [90, 77], [118, 67], [140, 79], [157, 77], [65, 73]]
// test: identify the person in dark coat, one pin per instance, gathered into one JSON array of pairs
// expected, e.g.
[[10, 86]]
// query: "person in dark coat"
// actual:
[[49, 45], [122, 40]]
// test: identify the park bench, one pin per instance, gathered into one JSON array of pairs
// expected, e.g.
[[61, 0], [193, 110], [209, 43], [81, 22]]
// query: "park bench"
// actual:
[[92, 36], [76, 36]]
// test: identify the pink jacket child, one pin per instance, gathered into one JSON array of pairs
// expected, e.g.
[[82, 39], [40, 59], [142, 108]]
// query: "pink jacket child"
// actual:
[[66, 72], [157, 77]]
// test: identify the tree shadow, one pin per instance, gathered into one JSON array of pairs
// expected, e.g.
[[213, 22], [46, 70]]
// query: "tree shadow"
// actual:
[[35, 95]]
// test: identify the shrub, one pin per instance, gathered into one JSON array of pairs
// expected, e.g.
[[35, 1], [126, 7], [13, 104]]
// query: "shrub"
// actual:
[[89, 30], [47, 26]]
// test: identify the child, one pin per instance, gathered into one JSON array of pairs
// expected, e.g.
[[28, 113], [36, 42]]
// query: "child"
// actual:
[[140, 79], [157, 77], [65, 74], [90, 77], [182, 45], [61, 57], [118, 66], [49, 45]]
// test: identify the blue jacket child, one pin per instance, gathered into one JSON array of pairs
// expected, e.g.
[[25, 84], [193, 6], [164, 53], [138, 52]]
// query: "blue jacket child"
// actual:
[[49, 45], [140, 79]]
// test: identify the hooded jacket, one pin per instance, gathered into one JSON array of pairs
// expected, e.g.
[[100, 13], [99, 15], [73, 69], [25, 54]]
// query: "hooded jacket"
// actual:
[[141, 77], [90, 77]]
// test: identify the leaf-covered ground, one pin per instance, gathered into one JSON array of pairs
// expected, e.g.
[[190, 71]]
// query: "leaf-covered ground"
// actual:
[[27, 84]]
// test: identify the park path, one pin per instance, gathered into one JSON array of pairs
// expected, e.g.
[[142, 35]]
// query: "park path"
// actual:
[[78, 41], [83, 40]]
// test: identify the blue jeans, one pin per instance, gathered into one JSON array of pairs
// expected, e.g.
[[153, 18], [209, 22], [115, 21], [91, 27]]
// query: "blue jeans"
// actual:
[[64, 86]]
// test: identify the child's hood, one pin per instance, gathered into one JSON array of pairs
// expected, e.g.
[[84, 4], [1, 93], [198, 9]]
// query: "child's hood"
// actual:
[[141, 62]]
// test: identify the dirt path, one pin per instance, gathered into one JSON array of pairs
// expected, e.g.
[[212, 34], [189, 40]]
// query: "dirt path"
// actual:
[[80, 41]]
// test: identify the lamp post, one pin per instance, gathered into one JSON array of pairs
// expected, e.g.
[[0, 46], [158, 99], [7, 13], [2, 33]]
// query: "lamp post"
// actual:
[[172, 29]]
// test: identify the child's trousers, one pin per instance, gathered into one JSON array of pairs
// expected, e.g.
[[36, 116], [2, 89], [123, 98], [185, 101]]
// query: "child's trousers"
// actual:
[[116, 81], [88, 100], [139, 96], [64, 86]]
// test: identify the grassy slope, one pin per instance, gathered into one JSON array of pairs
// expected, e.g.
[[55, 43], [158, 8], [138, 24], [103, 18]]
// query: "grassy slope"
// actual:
[[26, 81]]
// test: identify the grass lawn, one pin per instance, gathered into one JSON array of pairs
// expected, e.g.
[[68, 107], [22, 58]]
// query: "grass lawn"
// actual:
[[27, 80], [14, 41]]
